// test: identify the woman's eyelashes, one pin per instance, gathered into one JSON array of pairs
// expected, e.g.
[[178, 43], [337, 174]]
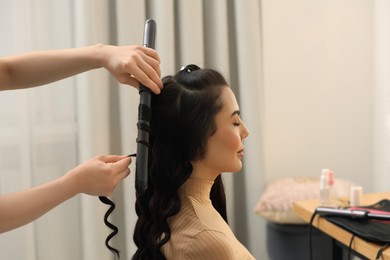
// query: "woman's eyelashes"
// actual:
[[237, 121]]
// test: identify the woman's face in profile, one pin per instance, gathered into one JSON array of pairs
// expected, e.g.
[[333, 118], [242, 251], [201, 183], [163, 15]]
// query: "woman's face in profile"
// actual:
[[225, 148]]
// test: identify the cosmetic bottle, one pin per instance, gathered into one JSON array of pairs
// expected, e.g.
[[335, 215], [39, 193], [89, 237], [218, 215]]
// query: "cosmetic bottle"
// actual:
[[332, 191], [324, 188]]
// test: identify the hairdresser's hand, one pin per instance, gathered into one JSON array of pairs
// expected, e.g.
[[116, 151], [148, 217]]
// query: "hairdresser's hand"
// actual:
[[133, 65], [100, 175], [128, 64], [97, 176]]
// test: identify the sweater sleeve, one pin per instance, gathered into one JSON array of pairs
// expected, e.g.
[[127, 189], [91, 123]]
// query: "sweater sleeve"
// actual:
[[210, 244]]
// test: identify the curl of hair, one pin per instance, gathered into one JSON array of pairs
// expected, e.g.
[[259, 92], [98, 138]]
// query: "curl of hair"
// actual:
[[183, 119], [114, 228]]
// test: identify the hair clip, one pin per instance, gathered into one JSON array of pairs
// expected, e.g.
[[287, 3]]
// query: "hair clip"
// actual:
[[186, 69]]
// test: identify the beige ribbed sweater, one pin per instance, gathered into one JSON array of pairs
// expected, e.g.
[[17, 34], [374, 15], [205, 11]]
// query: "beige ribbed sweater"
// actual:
[[198, 231]]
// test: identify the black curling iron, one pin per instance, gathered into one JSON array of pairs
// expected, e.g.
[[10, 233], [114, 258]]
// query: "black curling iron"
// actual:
[[144, 115], [143, 125]]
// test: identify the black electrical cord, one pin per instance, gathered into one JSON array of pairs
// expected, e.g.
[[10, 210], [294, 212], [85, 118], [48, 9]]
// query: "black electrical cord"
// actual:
[[350, 246], [380, 251]]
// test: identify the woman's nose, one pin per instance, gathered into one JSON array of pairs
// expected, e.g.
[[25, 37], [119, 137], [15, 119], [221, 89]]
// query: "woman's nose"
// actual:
[[244, 131]]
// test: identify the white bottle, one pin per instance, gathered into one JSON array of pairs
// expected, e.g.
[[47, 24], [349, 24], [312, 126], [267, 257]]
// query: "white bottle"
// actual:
[[324, 189], [332, 191]]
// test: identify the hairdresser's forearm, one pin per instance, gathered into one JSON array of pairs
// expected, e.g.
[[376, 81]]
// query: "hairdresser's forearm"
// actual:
[[43, 67], [20, 208]]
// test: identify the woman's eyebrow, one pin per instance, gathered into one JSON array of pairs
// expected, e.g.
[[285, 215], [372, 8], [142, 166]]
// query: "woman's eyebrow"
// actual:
[[237, 112]]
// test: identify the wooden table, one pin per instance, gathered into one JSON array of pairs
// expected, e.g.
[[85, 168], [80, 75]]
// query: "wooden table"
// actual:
[[305, 208]]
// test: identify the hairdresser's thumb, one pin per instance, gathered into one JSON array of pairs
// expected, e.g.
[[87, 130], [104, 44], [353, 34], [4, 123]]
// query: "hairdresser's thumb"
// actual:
[[123, 163]]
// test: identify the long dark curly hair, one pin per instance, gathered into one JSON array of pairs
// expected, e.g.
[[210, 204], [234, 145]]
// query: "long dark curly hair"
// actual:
[[183, 119]]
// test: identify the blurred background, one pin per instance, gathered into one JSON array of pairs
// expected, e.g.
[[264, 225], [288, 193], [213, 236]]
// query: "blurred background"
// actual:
[[311, 77]]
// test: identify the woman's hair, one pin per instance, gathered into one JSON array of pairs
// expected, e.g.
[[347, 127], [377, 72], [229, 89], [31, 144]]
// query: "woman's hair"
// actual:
[[183, 119]]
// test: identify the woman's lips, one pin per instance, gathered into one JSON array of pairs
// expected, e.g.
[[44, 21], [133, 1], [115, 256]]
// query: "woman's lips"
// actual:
[[240, 153]]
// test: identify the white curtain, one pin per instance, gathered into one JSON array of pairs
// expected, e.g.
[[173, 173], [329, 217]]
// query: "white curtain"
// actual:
[[38, 130], [46, 131]]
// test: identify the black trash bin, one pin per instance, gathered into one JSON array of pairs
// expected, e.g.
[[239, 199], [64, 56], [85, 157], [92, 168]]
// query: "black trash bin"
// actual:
[[291, 241]]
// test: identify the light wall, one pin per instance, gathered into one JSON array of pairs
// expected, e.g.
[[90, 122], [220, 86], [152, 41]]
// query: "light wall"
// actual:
[[318, 89]]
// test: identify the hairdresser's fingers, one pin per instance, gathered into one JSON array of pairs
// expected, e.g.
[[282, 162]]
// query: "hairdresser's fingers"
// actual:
[[121, 165], [111, 158], [139, 77], [129, 80], [152, 58], [155, 71], [147, 71], [123, 174], [155, 63], [152, 53], [151, 81]]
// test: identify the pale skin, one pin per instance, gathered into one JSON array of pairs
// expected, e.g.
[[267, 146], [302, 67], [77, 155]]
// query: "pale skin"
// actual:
[[225, 148], [98, 176], [128, 64]]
